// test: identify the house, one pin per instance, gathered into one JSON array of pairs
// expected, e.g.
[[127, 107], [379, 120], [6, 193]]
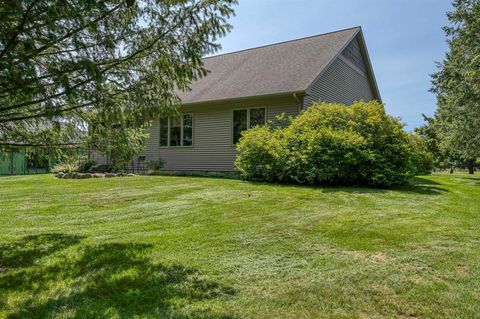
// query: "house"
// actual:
[[252, 86]]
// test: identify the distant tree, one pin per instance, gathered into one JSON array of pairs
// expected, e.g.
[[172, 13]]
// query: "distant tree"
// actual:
[[442, 158], [457, 85], [118, 143], [421, 158], [66, 61]]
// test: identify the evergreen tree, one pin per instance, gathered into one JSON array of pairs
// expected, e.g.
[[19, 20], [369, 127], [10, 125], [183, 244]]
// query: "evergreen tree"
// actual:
[[457, 84]]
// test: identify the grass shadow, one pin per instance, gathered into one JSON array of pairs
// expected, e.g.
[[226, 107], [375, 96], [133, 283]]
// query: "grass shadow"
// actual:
[[105, 280], [470, 180], [417, 185], [24, 252], [423, 181], [422, 186]]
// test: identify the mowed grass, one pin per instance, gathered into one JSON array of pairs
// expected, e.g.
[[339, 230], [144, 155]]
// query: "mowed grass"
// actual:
[[184, 247]]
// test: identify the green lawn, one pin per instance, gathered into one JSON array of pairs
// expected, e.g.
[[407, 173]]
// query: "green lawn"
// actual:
[[182, 247]]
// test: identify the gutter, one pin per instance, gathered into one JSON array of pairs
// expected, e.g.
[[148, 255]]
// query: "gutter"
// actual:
[[244, 98]]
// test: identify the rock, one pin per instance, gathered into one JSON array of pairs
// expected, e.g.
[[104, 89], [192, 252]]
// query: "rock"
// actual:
[[98, 175], [67, 175], [130, 174], [60, 175], [108, 175], [88, 175]]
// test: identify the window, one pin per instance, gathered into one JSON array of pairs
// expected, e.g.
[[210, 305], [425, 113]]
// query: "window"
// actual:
[[257, 117], [187, 129], [245, 119], [239, 124], [176, 131], [164, 131]]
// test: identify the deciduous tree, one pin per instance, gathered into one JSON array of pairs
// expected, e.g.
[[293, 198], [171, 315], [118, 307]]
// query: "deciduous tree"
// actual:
[[118, 61]]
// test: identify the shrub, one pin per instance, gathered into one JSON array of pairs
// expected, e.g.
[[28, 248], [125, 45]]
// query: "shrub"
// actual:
[[325, 156], [155, 166], [66, 167], [262, 154], [85, 166], [330, 144], [71, 164], [421, 158]]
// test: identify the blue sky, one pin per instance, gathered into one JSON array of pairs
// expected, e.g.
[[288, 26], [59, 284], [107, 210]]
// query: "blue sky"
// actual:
[[404, 39]]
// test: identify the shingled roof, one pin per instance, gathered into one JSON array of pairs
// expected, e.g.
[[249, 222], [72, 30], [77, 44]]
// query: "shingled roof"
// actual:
[[285, 67]]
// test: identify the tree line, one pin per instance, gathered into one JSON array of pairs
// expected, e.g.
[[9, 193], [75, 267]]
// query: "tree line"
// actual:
[[453, 132]]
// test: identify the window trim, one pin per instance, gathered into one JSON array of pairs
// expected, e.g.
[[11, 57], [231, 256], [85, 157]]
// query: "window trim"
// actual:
[[232, 137], [181, 132]]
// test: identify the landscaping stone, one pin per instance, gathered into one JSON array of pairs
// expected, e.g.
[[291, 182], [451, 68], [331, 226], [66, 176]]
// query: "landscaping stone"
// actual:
[[77, 175]]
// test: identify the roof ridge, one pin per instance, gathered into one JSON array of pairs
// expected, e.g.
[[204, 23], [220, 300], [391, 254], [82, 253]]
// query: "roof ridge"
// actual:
[[282, 42]]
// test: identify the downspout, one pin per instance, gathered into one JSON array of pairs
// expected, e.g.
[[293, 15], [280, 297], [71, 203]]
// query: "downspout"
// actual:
[[299, 101]]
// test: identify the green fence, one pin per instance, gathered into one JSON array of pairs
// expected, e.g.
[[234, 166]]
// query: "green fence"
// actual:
[[30, 160]]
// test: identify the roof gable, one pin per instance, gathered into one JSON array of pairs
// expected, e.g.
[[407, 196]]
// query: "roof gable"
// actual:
[[355, 51], [354, 54], [285, 67]]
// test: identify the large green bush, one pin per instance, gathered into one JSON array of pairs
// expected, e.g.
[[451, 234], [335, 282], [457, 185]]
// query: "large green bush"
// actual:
[[330, 144]]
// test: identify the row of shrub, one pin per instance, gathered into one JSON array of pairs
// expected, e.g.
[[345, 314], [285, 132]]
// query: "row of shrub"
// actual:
[[81, 164], [334, 144]]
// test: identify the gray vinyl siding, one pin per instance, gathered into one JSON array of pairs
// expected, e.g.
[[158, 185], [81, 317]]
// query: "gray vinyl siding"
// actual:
[[212, 148], [98, 157], [343, 82], [353, 53]]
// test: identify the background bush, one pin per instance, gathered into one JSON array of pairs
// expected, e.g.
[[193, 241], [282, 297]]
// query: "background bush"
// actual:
[[72, 164], [422, 158], [65, 167], [155, 165], [332, 144]]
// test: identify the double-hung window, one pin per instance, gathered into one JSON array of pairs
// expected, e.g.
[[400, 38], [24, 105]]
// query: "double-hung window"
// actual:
[[176, 131], [245, 119]]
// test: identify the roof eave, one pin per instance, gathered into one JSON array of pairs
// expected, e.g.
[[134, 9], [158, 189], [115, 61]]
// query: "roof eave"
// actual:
[[370, 73]]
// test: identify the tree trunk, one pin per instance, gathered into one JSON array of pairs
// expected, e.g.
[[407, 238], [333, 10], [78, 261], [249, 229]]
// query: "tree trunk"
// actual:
[[471, 166]]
